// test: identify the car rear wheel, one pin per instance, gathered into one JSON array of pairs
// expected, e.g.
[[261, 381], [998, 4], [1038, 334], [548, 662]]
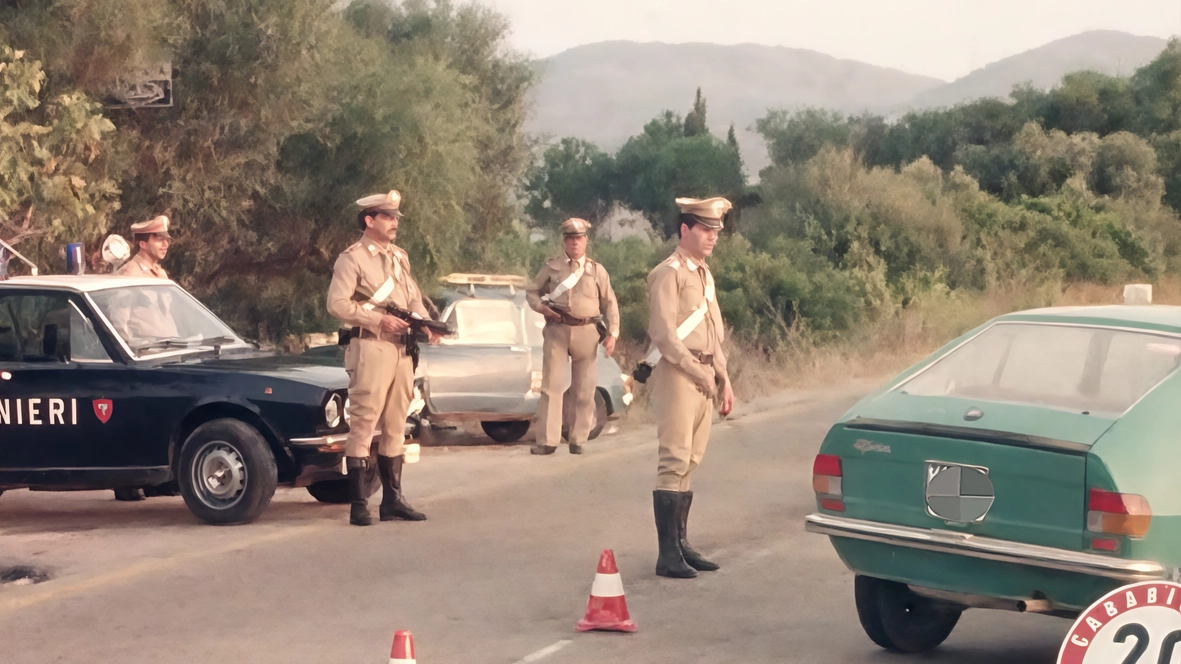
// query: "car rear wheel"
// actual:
[[506, 432], [865, 593], [896, 618], [597, 424], [227, 472], [336, 492]]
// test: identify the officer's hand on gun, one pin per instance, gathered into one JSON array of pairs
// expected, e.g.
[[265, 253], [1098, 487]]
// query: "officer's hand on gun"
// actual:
[[393, 324], [549, 313]]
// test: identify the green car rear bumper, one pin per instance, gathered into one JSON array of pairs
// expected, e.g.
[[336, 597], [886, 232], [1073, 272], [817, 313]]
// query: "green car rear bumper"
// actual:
[[978, 566]]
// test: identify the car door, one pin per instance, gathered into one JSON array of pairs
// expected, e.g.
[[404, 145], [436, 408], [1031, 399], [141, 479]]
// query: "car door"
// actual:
[[60, 392], [487, 367]]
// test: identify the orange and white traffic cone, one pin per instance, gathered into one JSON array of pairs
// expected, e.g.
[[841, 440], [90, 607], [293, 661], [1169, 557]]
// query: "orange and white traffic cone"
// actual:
[[403, 650], [607, 608]]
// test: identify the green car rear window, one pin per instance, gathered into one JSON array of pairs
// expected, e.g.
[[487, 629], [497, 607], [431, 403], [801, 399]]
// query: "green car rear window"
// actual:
[[1079, 368]]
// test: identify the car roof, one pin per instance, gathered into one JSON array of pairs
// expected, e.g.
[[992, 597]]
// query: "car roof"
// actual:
[[81, 283], [1155, 317]]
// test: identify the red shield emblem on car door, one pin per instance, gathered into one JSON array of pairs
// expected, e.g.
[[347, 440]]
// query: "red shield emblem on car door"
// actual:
[[102, 409]]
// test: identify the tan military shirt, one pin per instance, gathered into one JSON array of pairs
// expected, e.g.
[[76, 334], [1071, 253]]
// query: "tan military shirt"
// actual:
[[589, 297], [366, 266], [143, 315], [676, 287], [139, 266]]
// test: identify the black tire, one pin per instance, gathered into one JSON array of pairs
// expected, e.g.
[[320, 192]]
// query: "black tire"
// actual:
[[865, 594], [227, 473], [597, 426], [912, 623], [336, 492], [506, 432]]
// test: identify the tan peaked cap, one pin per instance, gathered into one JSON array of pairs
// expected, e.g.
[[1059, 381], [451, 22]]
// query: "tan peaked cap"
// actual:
[[388, 202], [575, 226], [158, 225], [709, 210]]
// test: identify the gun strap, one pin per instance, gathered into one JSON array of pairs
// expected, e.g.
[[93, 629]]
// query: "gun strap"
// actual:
[[691, 322]]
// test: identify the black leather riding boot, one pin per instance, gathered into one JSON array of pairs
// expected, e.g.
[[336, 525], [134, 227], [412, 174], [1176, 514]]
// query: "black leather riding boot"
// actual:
[[359, 511], [695, 560], [393, 504], [671, 563]]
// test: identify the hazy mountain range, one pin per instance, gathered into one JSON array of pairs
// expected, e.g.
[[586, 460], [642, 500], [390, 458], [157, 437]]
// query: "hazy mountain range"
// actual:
[[605, 92]]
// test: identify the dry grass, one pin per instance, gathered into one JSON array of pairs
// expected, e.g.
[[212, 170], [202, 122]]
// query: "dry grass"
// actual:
[[892, 343]]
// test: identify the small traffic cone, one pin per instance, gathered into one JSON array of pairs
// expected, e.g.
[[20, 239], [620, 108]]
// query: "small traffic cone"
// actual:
[[607, 609], [403, 650]]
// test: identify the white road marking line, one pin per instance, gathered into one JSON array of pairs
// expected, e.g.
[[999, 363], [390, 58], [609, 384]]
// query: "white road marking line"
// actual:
[[545, 652]]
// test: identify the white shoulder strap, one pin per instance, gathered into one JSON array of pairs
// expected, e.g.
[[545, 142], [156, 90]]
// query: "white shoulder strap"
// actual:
[[691, 322], [566, 284], [381, 295]]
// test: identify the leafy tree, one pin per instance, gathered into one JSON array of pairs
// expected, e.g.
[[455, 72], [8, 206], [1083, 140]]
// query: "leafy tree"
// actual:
[[56, 163], [794, 138], [695, 120], [572, 180]]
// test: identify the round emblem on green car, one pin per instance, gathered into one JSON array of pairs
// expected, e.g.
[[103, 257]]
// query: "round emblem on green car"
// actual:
[[962, 494]]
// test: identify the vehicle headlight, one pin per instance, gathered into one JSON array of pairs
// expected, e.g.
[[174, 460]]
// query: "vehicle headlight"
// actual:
[[332, 411], [346, 410]]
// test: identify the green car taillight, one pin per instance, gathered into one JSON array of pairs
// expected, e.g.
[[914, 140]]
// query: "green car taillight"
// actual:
[[826, 482], [1113, 513]]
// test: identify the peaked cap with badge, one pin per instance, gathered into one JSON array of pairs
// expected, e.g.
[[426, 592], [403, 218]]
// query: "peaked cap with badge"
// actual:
[[709, 211], [387, 202], [575, 227], [156, 226]]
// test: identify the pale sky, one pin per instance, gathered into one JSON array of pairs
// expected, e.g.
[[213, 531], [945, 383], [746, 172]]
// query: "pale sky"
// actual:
[[941, 38]]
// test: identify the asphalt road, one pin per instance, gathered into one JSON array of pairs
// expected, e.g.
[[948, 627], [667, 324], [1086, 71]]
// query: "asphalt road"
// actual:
[[499, 574]]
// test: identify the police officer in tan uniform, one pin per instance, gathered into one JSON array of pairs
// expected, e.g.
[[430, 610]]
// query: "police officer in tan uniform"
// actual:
[[689, 372], [152, 240], [373, 272], [571, 290]]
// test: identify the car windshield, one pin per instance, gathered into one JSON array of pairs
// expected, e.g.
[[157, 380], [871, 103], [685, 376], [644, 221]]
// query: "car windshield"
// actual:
[[487, 322], [158, 319], [1084, 369]]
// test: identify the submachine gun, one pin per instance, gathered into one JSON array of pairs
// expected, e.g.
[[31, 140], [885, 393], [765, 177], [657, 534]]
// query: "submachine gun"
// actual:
[[418, 325]]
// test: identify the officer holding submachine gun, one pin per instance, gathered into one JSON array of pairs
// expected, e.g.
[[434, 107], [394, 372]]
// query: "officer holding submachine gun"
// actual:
[[372, 291]]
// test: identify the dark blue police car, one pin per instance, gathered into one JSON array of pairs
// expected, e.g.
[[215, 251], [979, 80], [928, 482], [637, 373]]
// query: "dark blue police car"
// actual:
[[119, 382]]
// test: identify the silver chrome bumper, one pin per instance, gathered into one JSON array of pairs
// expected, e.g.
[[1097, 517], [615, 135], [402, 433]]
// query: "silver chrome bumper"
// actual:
[[987, 548], [334, 439]]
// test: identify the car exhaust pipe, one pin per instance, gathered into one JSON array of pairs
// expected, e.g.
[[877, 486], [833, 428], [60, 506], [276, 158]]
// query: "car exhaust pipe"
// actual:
[[1034, 606]]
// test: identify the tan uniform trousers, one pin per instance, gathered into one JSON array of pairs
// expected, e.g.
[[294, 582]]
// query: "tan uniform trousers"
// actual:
[[580, 344], [683, 419], [381, 386]]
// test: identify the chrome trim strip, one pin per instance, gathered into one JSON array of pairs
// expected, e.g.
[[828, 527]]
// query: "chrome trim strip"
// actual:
[[326, 440], [986, 548]]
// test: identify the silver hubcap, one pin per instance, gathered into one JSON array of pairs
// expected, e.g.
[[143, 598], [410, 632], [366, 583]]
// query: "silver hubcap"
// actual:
[[219, 473]]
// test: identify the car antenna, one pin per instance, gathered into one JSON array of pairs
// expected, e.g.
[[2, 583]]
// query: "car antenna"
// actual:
[[7, 248]]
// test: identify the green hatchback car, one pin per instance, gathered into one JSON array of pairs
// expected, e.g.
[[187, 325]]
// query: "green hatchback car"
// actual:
[[1024, 466]]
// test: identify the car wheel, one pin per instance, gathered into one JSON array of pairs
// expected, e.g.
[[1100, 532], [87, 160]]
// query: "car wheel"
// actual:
[[336, 492], [227, 472], [913, 623], [597, 424], [865, 594], [506, 432]]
